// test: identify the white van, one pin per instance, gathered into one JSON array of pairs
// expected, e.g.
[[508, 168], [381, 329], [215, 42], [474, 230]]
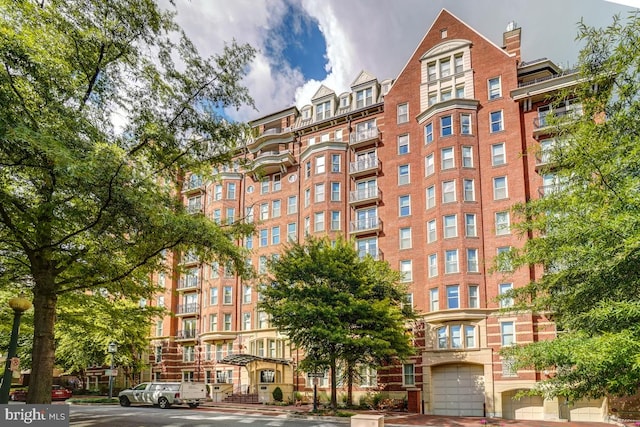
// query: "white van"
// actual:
[[165, 394]]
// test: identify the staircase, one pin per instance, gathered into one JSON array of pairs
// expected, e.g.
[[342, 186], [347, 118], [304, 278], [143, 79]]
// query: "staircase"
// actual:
[[242, 398]]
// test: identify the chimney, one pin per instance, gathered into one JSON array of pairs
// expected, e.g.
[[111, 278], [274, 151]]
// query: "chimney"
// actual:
[[511, 40]]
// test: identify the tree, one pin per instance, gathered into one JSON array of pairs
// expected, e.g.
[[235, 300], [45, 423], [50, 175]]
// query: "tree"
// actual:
[[103, 105], [586, 234], [337, 307]]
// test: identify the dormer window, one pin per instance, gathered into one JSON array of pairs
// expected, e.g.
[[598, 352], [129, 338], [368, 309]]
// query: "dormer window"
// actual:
[[344, 102], [306, 113], [364, 97], [323, 110]]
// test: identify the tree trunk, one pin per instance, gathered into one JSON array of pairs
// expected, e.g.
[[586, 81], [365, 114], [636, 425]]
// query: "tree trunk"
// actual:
[[350, 375], [43, 355], [334, 393]]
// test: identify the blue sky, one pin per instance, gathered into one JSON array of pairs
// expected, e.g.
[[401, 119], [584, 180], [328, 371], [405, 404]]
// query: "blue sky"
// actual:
[[305, 43]]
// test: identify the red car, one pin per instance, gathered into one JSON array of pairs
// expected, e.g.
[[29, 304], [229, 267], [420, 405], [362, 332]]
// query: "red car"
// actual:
[[57, 393]]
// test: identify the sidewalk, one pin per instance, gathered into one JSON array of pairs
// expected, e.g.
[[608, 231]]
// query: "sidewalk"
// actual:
[[397, 418]]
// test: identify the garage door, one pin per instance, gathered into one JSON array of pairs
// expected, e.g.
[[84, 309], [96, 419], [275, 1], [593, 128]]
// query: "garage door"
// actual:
[[525, 408], [586, 410], [458, 390]]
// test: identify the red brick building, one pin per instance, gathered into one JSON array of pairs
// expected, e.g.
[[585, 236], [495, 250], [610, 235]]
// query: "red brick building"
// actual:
[[421, 171]]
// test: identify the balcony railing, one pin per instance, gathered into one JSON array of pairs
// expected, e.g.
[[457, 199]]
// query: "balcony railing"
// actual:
[[365, 194], [192, 184], [367, 164], [188, 283], [192, 209], [360, 137], [367, 224], [188, 308], [376, 254], [187, 334], [561, 113]]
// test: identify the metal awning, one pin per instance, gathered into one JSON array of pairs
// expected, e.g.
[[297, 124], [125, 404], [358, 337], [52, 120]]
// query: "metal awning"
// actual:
[[245, 359]]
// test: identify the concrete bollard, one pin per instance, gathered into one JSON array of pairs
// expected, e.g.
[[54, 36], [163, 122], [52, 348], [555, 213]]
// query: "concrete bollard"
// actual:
[[366, 420]]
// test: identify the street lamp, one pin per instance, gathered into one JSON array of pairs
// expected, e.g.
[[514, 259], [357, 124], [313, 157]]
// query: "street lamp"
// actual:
[[112, 349], [19, 305]]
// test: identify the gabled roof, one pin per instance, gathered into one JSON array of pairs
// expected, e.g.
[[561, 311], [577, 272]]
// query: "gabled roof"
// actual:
[[322, 92], [363, 77]]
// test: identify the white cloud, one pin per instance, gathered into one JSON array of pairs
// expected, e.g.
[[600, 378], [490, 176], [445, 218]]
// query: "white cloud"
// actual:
[[377, 36]]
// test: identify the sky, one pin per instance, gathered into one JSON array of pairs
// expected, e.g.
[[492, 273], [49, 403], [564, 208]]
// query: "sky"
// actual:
[[303, 44]]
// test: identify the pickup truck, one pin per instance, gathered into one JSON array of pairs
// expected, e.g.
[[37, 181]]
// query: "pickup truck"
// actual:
[[164, 394]]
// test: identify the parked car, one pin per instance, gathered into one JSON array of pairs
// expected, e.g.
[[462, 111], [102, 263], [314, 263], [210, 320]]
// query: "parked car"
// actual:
[[164, 394], [57, 393]]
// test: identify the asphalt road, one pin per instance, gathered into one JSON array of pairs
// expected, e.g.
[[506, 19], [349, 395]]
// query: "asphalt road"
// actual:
[[148, 416]]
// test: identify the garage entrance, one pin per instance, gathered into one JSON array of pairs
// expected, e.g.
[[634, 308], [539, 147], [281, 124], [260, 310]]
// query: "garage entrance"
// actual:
[[458, 390], [525, 408]]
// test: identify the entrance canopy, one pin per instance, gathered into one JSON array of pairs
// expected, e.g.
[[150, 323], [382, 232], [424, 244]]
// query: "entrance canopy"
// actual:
[[245, 359]]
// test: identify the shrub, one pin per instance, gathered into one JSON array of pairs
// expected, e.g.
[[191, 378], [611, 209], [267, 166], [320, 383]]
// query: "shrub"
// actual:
[[277, 394]]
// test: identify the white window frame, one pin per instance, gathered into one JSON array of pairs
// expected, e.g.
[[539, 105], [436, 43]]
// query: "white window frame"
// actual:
[[403, 112]]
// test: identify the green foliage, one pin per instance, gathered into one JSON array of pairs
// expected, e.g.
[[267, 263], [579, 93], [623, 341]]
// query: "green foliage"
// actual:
[[103, 105], [277, 394], [337, 307], [587, 233]]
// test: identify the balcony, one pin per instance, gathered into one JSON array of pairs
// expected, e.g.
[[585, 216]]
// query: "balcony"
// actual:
[[365, 225], [186, 335], [268, 162], [188, 283], [364, 166], [189, 259], [186, 309], [544, 123], [364, 137], [546, 190], [193, 185], [195, 208], [270, 137], [376, 254], [364, 196]]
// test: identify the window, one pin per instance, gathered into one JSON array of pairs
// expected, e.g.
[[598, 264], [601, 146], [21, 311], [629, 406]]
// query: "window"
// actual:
[[318, 221], [409, 374], [467, 157], [188, 354], [262, 264], [428, 133], [445, 95], [335, 191], [227, 295], [307, 225], [448, 191], [451, 261], [500, 188], [216, 216], [470, 225], [406, 271], [431, 197], [496, 121], [403, 144], [246, 321], [433, 265], [432, 235], [450, 225], [433, 98], [472, 260], [456, 339], [213, 322], [217, 192], [460, 91], [307, 197], [264, 186], [431, 71], [465, 124], [276, 208], [335, 220], [277, 182], [159, 328], [364, 97], [403, 113], [275, 235], [497, 154], [231, 215], [507, 333], [213, 296], [403, 174], [504, 264], [494, 88], [469, 191], [404, 206], [508, 367], [264, 211], [448, 161], [405, 238], [264, 237], [443, 339], [367, 246], [445, 67], [231, 190], [474, 299], [246, 294], [335, 161], [503, 289], [318, 193], [215, 270], [227, 322], [307, 169], [292, 234], [323, 110], [503, 225], [453, 296], [263, 320], [458, 64], [320, 165], [292, 204], [429, 165], [248, 214], [368, 377], [446, 126]]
